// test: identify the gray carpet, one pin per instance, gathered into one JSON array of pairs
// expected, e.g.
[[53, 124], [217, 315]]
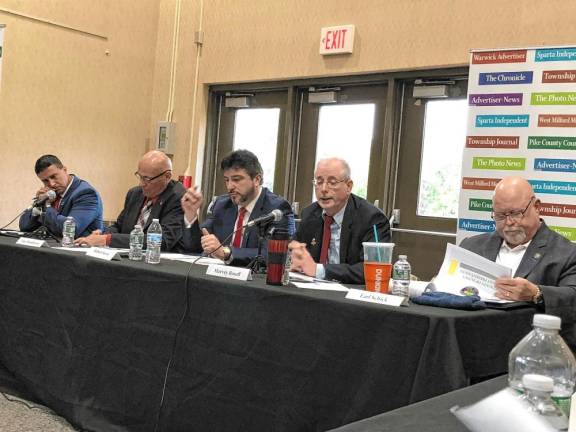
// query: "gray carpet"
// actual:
[[20, 415]]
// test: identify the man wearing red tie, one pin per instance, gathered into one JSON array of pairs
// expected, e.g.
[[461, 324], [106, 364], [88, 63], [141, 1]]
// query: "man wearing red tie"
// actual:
[[223, 235], [329, 240]]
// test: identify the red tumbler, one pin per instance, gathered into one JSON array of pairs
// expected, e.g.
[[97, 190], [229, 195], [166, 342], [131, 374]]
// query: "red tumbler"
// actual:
[[277, 252]]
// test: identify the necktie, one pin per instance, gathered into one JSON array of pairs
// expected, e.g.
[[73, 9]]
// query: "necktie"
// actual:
[[239, 224], [56, 203], [145, 213], [326, 235]]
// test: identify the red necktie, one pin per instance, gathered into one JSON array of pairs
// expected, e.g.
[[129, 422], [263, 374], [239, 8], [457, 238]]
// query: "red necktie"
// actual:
[[56, 203], [326, 235], [239, 225]]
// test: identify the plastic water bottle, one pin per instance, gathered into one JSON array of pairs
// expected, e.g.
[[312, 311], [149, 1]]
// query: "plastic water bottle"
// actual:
[[544, 352], [68, 232], [153, 242], [136, 243], [538, 395], [401, 277]]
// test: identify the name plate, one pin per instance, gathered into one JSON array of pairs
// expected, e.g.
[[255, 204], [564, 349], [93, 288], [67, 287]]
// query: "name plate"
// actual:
[[103, 253], [237, 273], [374, 297], [25, 241]]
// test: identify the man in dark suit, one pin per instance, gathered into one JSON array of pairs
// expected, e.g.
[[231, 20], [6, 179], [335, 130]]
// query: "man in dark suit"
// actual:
[[157, 197], [246, 200], [71, 196], [543, 262], [329, 238]]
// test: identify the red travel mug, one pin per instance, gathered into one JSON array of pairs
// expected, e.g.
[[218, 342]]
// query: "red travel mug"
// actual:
[[277, 252]]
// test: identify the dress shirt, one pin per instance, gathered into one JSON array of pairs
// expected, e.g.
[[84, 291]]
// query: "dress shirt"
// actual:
[[334, 249], [511, 257]]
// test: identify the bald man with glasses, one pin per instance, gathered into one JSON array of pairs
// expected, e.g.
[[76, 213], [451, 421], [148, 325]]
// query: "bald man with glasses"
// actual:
[[156, 197], [542, 261], [328, 243]]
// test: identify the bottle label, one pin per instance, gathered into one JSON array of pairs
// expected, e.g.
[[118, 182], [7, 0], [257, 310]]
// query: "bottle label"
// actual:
[[563, 403]]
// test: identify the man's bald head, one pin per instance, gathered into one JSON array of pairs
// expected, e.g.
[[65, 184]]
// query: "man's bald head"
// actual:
[[516, 210], [155, 172]]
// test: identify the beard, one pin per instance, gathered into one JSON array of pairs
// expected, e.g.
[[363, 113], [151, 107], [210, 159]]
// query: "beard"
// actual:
[[515, 237], [241, 199]]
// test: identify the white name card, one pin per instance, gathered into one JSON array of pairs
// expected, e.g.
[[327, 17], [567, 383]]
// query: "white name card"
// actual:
[[103, 253], [25, 241], [374, 297], [572, 425], [237, 273]]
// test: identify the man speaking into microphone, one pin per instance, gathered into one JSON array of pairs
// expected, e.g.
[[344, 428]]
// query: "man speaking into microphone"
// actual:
[[233, 215], [62, 195]]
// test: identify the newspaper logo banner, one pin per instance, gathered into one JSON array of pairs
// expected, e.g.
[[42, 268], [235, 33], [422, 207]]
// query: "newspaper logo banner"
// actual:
[[556, 120], [559, 76], [480, 204], [476, 183], [502, 120], [558, 210], [490, 57], [476, 225], [551, 143], [553, 187], [555, 54], [555, 165], [496, 163], [502, 142], [560, 98], [495, 99], [568, 232], [504, 78]]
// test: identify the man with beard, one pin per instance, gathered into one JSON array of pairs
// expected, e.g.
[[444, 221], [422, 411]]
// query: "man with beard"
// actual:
[[543, 262], [246, 200]]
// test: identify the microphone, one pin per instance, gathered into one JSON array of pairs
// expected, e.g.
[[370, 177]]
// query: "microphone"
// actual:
[[40, 200], [274, 216]]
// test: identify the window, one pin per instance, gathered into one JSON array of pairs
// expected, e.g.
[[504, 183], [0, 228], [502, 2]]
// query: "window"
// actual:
[[256, 129], [346, 131], [444, 137]]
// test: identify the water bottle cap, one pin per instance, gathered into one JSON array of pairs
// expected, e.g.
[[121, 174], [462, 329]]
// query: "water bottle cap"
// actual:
[[138, 226], [547, 321], [155, 220], [538, 382], [403, 256]]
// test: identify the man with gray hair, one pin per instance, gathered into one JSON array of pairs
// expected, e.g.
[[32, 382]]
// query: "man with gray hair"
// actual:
[[328, 243], [543, 262]]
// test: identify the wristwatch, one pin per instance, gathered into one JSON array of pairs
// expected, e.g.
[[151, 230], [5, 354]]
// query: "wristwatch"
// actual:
[[538, 299]]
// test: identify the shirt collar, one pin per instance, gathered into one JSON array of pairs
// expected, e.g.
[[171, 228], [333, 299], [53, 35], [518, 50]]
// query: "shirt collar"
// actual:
[[68, 187], [518, 248]]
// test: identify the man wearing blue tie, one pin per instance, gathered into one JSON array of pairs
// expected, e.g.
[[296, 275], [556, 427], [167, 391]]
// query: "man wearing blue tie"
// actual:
[[63, 195], [224, 234]]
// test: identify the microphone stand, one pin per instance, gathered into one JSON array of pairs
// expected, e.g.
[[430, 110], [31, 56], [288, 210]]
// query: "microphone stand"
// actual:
[[42, 232], [258, 263]]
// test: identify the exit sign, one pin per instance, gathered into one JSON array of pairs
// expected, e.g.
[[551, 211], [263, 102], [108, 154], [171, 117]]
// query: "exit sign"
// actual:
[[337, 40]]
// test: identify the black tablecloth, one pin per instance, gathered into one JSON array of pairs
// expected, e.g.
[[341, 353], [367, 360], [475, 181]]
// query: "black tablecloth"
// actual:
[[92, 339], [432, 415]]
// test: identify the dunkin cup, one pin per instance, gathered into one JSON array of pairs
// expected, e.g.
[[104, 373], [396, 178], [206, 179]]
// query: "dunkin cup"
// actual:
[[277, 251], [377, 265]]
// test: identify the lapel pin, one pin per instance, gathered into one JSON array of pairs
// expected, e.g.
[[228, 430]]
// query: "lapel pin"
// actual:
[[537, 255], [313, 242]]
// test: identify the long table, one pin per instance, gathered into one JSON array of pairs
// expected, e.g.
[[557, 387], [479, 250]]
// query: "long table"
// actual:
[[92, 340]]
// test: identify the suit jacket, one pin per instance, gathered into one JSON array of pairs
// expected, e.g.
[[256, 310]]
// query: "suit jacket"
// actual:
[[221, 220], [166, 209], [550, 263], [357, 226], [82, 202]]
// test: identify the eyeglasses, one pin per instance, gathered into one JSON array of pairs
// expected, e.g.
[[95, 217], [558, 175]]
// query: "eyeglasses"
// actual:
[[515, 215], [331, 182], [146, 179]]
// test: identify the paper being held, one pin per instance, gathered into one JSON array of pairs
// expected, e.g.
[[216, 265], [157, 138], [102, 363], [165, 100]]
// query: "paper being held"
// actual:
[[465, 273]]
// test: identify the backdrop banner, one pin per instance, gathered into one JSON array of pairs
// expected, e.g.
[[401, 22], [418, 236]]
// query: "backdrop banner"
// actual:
[[521, 121]]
